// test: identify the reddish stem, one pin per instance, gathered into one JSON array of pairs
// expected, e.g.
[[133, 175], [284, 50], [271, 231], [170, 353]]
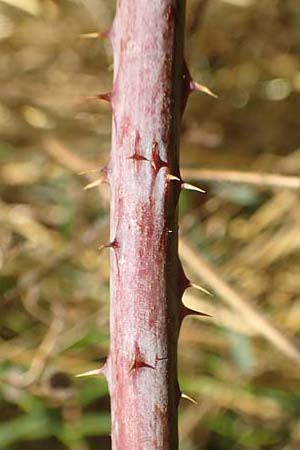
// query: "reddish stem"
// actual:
[[146, 283]]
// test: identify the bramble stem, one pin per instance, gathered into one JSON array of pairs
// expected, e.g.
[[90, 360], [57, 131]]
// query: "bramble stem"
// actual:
[[147, 281]]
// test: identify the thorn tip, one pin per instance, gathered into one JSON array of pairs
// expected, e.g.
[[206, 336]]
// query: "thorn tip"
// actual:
[[194, 86], [190, 399], [93, 184], [172, 177], [185, 311], [200, 288], [191, 187], [113, 244], [93, 35], [138, 361], [90, 373]]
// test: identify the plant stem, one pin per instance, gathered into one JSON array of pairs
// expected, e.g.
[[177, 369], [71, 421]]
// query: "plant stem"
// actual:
[[149, 92]]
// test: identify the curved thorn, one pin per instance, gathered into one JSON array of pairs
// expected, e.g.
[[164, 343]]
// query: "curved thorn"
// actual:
[[157, 162], [90, 373], [102, 179], [191, 312], [138, 361], [201, 88], [190, 399], [171, 177], [200, 288], [184, 185], [191, 187], [93, 184], [139, 364], [103, 246], [93, 35]]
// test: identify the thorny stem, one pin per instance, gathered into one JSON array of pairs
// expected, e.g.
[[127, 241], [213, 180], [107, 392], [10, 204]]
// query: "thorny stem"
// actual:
[[150, 89]]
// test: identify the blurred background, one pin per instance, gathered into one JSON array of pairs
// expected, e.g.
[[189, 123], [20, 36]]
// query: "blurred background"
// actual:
[[241, 240]]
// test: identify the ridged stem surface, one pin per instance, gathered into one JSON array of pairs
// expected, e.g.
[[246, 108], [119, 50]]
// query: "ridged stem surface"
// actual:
[[146, 276]]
